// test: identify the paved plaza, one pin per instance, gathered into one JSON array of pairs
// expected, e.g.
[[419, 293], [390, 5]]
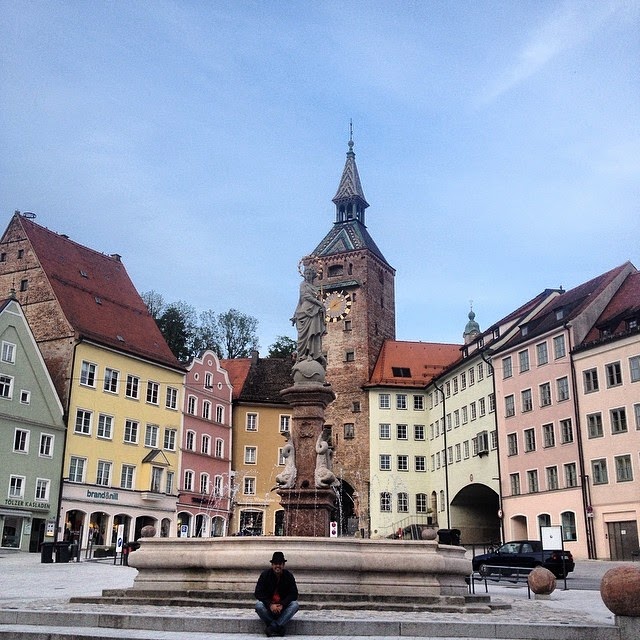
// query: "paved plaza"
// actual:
[[27, 585]]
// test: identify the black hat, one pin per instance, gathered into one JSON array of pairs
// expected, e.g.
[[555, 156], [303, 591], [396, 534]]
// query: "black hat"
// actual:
[[278, 558]]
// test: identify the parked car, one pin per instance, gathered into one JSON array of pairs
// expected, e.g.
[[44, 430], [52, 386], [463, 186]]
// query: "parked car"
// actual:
[[526, 554]]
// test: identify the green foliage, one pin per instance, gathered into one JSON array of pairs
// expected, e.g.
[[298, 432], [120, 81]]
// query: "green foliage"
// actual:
[[283, 347]]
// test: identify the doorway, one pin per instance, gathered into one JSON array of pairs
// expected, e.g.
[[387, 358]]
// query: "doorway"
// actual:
[[623, 539]]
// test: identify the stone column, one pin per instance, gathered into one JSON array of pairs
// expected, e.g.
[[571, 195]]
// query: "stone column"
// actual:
[[307, 507]]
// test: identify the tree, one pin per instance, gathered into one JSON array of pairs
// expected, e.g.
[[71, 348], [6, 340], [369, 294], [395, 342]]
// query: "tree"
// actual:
[[155, 303], [178, 326], [283, 347], [236, 334]]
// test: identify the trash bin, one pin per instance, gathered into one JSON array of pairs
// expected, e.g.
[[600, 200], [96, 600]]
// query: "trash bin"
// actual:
[[46, 552], [63, 551], [449, 536]]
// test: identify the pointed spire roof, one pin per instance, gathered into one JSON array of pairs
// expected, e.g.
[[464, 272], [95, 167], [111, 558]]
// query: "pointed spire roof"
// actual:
[[350, 186]]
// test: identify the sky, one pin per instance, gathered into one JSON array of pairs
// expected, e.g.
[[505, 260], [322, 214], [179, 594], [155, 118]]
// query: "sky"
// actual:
[[498, 144]]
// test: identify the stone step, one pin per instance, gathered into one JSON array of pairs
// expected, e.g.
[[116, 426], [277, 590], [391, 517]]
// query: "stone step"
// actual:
[[74, 625]]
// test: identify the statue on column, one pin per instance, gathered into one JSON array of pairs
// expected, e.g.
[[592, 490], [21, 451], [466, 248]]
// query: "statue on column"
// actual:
[[324, 475], [309, 319]]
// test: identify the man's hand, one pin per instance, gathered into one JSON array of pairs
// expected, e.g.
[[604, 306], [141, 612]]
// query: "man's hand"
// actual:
[[276, 608]]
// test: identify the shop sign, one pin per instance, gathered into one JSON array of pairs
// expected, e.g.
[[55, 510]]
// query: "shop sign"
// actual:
[[44, 506], [102, 495]]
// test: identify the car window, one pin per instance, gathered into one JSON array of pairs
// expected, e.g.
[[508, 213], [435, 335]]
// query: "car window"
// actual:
[[527, 548], [509, 547]]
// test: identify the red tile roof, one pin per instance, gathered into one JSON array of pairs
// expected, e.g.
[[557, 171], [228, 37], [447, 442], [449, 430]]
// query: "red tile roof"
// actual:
[[238, 370], [97, 296], [415, 363]]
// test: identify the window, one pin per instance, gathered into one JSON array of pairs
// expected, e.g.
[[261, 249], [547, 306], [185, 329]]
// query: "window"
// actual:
[[465, 449], [188, 480], [6, 387], [568, 520], [456, 418], [465, 415], [449, 455], [220, 416], [480, 371], [169, 485], [614, 374], [384, 401], [563, 388], [151, 435], [204, 483], [599, 471], [42, 489], [156, 479], [401, 401], [384, 431], [523, 358], [206, 410], [514, 479], [618, 420], [545, 394], [420, 463], [349, 430], [8, 352], [482, 407], [24, 284], [566, 430], [205, 445], [473, 411], [88, 374], [249, 487], [192, 405], [594, 425], [636, 411], [455, 385], [552, 478], [532, 481], [152, 392], [463, 381], [131, 431], [529, 440], [105, 426], [527, 401], [103, 475], [570, 475], [472, 376], [132, 389], [25, 397], [252, 422], [559, 350], [218, 486], [208, 380], [401, 431], [285, 423], [83, 422], [624, 473], [421, 503], [542, 353], [509, 406], [21, 441], [512, 444], [418, 432], [403, 502], [458, 452], [16, 486], [634, 369], [418, 403], [590, 379], [492, 402], [494, 439], [111, 379], [448, 421], [385, 501], [403, 463], [170, 439], [385, 462], [76, 469], [190, 441], [507, 367], [171, 401], [46, 445], [250, 455], [548, 436], [219, 452], [126, 476], [350, 356]]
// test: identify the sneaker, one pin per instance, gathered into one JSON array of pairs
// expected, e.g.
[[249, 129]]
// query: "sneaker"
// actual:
[[271, 630], [281, 631]]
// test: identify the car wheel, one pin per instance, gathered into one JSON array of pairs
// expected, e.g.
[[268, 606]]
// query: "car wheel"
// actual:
[[484, 570]]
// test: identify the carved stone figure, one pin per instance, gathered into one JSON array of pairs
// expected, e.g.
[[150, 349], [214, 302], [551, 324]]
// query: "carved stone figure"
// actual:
[[287, 479], [324, 476], [309, 319]]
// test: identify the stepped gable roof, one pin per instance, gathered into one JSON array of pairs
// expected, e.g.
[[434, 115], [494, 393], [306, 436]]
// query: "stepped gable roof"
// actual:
[[347, 236], [97, 296], [412, 364], [623, 308], [568, 305], [238, 370]]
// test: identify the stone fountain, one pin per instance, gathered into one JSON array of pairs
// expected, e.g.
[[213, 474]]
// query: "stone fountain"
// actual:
[[331, 572]]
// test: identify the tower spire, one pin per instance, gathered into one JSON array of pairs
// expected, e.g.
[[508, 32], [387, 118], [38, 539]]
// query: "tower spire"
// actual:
[[349, 199]]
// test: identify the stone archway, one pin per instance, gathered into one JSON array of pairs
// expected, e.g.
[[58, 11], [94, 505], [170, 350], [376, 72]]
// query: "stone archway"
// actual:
[[474, 510]]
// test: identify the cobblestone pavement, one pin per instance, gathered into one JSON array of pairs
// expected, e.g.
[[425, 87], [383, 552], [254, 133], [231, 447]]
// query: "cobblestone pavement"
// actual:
[[28, 584]]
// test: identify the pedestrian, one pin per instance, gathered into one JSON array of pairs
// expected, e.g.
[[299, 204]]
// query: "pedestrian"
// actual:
[[277, 595]]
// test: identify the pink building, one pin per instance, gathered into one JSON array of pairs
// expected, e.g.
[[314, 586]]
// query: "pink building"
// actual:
[[544, 479], [204, 499]]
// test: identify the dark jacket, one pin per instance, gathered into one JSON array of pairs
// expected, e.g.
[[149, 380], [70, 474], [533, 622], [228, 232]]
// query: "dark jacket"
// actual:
[[268, 584]]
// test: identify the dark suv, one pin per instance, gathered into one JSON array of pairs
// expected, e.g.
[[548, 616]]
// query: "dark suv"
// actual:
[[525, 554]]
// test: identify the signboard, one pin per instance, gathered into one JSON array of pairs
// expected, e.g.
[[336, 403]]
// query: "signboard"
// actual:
[[51, 528], [184, 530], [551, 538], [333, 529], [120, 538]]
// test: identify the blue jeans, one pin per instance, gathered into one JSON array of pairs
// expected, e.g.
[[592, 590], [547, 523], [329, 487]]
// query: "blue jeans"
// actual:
[[268, 618]]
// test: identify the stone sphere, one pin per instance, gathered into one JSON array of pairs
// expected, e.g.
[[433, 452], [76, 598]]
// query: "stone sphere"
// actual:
[[620, 590], [148, 531], [429, 533], [308, 372], [542, 581]]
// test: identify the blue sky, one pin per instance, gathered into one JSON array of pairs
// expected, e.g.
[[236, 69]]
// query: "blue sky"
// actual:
[[498, 144]]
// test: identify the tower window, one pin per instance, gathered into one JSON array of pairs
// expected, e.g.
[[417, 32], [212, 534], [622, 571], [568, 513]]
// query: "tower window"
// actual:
[[24, 285], [350, 356], [336, 270]]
